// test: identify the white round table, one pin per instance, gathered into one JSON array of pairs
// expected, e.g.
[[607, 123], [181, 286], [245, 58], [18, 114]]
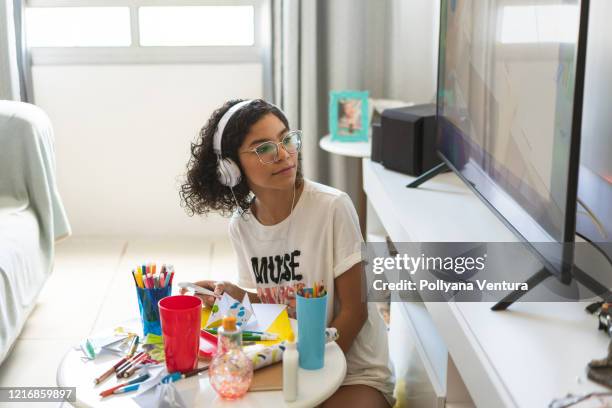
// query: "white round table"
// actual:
[[350, 149], [314, 386]]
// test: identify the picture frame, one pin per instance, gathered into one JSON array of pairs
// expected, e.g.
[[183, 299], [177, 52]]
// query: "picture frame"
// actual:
[[348, 116]]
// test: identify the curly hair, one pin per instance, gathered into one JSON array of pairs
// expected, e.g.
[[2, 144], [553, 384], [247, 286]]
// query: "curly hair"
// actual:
[[201, 191]]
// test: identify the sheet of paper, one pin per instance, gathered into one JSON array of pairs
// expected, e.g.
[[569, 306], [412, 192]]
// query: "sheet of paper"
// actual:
[[225, 306], [266, 314]]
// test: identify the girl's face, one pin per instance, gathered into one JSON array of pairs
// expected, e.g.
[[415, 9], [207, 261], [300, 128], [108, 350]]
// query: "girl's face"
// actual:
[[278, 175]]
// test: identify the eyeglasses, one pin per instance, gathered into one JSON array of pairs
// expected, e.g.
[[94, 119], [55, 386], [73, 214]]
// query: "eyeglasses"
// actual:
[[268, 151]]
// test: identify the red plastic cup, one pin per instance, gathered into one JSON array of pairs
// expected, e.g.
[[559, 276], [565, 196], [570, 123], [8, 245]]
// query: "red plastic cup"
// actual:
[[180, 322]]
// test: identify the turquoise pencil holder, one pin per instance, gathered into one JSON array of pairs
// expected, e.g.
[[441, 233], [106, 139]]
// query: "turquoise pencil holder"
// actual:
[[311, 320]]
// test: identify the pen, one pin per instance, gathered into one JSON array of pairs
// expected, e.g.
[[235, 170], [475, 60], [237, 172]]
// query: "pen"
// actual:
[[259, 337], [137, 380], [272, 336]]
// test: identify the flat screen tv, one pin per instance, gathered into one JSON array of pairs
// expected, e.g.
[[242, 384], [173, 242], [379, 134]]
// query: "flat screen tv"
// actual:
[[594, 216], [509, 107]]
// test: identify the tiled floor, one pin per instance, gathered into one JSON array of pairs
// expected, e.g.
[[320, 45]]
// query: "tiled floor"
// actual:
[[91, 288]]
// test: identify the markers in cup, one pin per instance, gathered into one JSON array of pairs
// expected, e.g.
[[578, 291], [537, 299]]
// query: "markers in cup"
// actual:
[[152, 285], [317, 290]]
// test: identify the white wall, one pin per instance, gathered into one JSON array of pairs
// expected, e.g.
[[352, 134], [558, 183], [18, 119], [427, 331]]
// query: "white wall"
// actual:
[[412, 50], [123, 134]]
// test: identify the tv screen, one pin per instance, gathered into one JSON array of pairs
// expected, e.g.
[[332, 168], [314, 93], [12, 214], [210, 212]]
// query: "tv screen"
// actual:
[[509, 103]]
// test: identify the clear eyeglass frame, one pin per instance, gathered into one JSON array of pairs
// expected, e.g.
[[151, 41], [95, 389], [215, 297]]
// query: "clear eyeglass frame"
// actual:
[[267, 152]]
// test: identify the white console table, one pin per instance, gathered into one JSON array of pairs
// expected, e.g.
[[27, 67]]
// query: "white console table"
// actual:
[[467, 354]]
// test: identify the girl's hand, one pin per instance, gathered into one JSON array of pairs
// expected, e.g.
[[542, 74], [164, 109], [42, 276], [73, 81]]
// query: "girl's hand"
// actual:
[[217, 287]]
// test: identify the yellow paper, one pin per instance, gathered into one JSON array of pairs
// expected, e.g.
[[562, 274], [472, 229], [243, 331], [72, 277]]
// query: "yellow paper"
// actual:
[[280, 326], [205, 313]]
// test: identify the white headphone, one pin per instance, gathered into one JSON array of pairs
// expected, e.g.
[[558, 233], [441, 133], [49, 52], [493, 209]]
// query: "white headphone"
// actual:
[[228, 171]]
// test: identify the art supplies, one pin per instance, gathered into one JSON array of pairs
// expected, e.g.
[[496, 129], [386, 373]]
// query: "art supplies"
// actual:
[[148, 277], [316, 291], [152, 285], [249, 333], [135, 364], [263, 356], [179, 376], [312, 317], [131, 362], [180, 323], [112, 390], [251, 336], [128, 388], [133, 346]]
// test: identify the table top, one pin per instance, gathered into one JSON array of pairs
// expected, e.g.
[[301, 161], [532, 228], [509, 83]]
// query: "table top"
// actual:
[[314, 386], [351, 149]]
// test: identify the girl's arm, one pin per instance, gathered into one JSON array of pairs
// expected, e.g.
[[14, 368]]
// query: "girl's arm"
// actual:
[[353, 310]]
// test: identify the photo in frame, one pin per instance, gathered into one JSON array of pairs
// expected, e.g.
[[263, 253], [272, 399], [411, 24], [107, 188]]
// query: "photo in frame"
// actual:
[[348, 116]]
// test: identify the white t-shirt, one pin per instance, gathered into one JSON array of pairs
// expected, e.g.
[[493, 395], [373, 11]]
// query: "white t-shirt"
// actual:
[[317, 243]]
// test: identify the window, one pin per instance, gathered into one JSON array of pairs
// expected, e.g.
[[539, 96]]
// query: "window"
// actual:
[[197, 26], [78, 26], [145, 31]]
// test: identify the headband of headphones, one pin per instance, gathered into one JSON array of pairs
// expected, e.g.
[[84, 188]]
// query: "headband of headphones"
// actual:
[[223, 122]]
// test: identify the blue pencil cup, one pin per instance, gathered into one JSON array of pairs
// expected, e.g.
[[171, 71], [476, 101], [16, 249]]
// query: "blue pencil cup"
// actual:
[[149, 311], [311, 320]]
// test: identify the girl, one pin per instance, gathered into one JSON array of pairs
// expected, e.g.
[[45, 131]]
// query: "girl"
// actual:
[[288, 232]]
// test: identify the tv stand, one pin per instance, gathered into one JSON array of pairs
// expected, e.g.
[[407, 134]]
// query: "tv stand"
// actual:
[[434, 171], [578, 274], [512, 297]]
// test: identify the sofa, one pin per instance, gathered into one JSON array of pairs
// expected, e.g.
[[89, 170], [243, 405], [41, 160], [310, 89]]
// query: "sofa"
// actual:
[[32, 216]]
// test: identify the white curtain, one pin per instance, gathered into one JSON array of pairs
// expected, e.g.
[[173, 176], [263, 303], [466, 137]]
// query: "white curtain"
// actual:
[[13, 64], [322, 45]]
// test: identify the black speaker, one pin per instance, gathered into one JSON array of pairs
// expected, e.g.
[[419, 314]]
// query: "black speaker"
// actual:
[[376, 154], [409, 139]]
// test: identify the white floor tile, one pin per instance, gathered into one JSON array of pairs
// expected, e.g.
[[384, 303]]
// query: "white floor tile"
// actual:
[[224, 265], [71, 298], [34, 362]]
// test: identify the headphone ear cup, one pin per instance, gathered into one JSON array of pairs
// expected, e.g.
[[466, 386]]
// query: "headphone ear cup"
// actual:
[[228, 172]]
